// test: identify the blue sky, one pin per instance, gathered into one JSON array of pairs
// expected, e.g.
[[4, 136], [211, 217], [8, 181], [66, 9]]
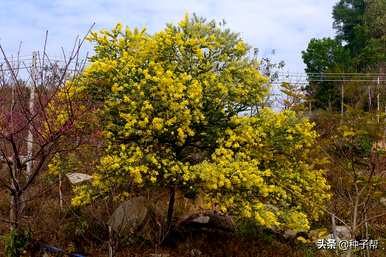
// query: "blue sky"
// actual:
[[283, 25]]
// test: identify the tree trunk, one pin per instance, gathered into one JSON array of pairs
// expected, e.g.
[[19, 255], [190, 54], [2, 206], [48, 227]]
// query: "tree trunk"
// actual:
[[172, 194], [15, 201], [14, 212]]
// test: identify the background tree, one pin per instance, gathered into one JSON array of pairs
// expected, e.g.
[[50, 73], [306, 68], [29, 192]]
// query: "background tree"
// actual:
[[325, 56], [51, 121], [359, 47], [375, 18]]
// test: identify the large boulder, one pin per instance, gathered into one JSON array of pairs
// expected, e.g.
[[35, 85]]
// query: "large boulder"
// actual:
[[129, 216]]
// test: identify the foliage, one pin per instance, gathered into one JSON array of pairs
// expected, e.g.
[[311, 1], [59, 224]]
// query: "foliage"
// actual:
[[376, 18], [359, 24], [262, 169], [171, 117], [348, 19], [15, 242], [325, 55], [163, 93], [294, 97]]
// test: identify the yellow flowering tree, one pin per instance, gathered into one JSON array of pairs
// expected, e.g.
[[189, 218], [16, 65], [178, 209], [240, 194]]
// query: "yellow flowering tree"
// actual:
[[173, 108]]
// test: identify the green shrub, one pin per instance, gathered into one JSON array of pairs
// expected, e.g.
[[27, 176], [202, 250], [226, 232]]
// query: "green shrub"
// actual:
[[16, 241]]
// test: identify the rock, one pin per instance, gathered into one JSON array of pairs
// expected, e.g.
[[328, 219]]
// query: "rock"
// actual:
[[289, 233], [76, 178], [195, 253], [201, 219], [343, 232], [129, 216], [383, 201], [207, 220], [159, 255]]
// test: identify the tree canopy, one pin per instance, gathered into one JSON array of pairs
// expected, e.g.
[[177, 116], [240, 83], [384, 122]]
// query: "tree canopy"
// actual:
[[174, 115]]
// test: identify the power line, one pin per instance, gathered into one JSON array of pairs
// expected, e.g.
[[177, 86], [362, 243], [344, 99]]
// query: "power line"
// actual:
[[298, 78], [334, 73], [328, 80]]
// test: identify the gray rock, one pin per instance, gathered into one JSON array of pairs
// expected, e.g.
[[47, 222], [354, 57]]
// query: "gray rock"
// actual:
[[343, 232], [383, 201], [76, 178], [207, 220], [129, 216], [201, 219], [290, 233]]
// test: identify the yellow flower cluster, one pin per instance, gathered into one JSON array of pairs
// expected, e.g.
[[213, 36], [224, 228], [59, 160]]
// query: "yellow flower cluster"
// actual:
[[258, 164], [171, 104]]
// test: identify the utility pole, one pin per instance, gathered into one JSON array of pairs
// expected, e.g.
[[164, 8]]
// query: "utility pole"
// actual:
[[342, 99], [378, 107], [60, 192], [31, 110], [369, 91]]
